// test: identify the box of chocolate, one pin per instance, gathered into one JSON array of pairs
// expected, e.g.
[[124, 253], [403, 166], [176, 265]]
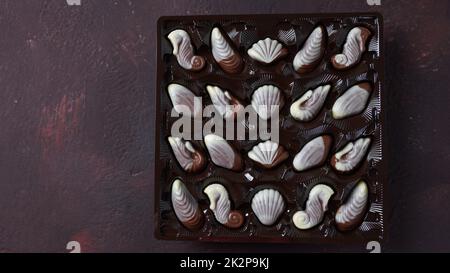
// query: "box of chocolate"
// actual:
[[270, 128]]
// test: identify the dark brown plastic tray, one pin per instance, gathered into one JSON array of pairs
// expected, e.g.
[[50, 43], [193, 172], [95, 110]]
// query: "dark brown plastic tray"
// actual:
[[294, 186]]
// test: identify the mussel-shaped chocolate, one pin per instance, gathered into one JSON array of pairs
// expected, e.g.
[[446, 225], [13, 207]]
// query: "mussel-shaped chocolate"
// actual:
[[316, 206], [313, 154], [347, 159], [222, 153], [190, 158], [184, 101], [225, 103], [268, 205], [354, 47], [351, 214], [220, 204], [184, 51], [224, 54], [308, 106], [312, 51], [353, 101], [266, 100], [267, 51], [268, 154], [186, 207]]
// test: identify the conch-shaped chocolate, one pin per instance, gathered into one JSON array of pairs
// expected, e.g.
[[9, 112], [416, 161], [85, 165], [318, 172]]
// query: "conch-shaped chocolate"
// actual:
[[224, 54], [190, 158], [222, 153], [220, 204], [354, 47], [186, 207], [183, 50], [350, 215], [347, 159], [316, 206], [312, 51]]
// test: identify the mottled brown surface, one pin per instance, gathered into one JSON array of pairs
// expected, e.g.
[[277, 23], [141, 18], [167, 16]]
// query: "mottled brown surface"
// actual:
[[77, 117]]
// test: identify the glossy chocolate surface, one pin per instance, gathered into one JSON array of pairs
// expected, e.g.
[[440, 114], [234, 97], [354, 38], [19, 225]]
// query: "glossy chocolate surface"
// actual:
[[294, 186]]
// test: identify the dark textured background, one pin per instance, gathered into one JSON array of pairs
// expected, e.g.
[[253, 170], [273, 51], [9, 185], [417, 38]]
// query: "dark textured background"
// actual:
[[77, 123]]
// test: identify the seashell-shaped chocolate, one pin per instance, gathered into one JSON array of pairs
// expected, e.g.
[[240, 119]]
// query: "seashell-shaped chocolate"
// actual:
[[186, 207], [184, 101], [224, 54], [268, 205], [191, 159], [222, 153], [267, 51], [268, 154], [313, 154], [316, 206], [350, 215], [308, 106], [183, 50], [266, 100], [354, 47], [312, 51], [352, 102], [227, 105], [219, 203], [347, 159]]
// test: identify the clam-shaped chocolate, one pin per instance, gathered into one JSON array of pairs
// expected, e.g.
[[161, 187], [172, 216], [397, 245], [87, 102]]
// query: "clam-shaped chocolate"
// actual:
[[184, 101], [308, 106], [266, 100], [267, 51], [222, 153], [313, 154], [268, 154], [225, 103], [352, 102], [220, 204], [316, 206], [312, 51], [268, 205], [224, 54], [350, 157], [351, 214], [186, 207], [184, 51], [354, 47], [191, 159]]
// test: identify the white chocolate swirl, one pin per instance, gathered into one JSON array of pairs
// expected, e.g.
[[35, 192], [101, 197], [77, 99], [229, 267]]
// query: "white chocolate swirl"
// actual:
[[308, 106], [350, 214], [183, 50], [267, 51], [351, 155], [311, 52], [316, 206]]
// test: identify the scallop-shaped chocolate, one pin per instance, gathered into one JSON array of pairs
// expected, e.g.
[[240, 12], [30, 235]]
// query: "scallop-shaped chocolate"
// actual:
[[268, 154], [267, 100], [267, 51], [268, 205]]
